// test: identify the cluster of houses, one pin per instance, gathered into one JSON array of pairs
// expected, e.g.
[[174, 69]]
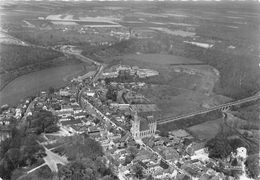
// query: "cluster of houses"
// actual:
[[9, 116], [116, 70]]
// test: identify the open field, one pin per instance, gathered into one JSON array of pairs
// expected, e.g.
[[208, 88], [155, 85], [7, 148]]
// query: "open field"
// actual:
[[162, 59], [206, 130], [32, 83], [175, 33]]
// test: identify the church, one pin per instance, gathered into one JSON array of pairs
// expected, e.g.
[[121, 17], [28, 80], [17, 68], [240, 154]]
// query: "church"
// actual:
[[143, 127]]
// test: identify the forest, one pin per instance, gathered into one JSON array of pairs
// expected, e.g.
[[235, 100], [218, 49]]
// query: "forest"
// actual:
[[15, 56]]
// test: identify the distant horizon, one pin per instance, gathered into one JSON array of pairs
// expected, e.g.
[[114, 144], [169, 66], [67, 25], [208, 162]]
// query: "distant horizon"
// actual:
[[135, 0]]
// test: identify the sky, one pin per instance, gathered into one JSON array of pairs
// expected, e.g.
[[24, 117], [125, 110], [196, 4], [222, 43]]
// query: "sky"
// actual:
[[131, 0]]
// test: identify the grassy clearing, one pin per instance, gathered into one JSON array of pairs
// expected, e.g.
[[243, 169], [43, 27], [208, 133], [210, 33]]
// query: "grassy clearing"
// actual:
[[162, 59], [206, 130]]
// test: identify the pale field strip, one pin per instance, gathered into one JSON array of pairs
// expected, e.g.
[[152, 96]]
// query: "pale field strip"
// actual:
[[107, 19], [245, 14], [132, 22], [175, 32], [28, 24], [182, 24], [108, 25], [159, 23], [238, 22], [234, 17], [151, 14], [64, 23], [234, 27], [175, 15], [203, 45], [163, 15]]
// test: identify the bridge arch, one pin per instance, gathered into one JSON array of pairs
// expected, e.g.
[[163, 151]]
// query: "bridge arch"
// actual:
[[225, 108]]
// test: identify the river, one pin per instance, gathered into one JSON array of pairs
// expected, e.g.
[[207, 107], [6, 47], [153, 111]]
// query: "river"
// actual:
[[32, 83]]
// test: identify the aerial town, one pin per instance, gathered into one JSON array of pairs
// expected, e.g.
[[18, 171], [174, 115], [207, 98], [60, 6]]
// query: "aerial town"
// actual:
[[107, 109], [129, 90]]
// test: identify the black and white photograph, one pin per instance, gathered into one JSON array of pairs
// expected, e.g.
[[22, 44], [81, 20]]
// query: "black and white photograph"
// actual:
[[129, 89]]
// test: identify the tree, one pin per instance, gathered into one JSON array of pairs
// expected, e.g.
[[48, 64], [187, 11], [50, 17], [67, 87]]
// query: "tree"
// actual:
[[52, 128], [138, 171], [51, 90], [252, 164], [164, 133], [43, 121], [128, 160], [219, 147], [132, 150], [108, 177], [84, 147], [13, 156], [45, 173], [150, 177], [111, 93]]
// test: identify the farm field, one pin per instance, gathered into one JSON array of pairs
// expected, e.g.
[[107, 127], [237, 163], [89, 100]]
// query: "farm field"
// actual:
[[32, 83], [206, 130], [162, 59]]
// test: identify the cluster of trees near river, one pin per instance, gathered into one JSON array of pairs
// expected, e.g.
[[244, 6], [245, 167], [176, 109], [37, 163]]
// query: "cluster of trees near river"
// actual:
[[17, 60], [16, 56]]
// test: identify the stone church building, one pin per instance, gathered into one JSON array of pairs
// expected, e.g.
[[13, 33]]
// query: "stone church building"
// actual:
[[143, 127]]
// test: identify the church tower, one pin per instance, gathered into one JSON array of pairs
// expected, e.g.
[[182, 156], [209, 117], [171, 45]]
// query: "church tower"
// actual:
[[135, 129]]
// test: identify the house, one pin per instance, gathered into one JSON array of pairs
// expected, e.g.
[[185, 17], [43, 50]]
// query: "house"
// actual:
[[154, 169], [65, 112], [143, 155], [64, 92], [18, 113], [164, 164], [194, 146], [5, 132], [171, 154], [79, 115], [120, 106], [94, 132], [106, 144], [4, 121], [121, 143], [76, 109]]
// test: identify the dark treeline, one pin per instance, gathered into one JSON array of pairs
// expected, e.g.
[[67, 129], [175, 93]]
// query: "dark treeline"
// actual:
[[15, 56]]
